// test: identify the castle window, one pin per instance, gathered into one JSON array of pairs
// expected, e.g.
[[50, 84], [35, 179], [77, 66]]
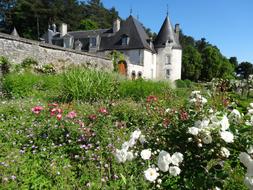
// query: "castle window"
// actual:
[[93, 42], [124, 40], [139, 74], [167, 73], [168, 60], [133, 75]]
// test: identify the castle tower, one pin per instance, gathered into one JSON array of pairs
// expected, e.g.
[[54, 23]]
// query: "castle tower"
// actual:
[[169, 52]]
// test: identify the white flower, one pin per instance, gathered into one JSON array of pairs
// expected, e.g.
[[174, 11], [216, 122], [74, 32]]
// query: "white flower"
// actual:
[[130, 156], [225, 152], [121, 155], [200, 145], [145, 154], [174, 170], [131, 142], [202, 124], [164, 160], [224, 123], [159, 181], [125, 146], [227, 136], [250, 149], [245, 159], [136, 134], [235, 115], [250, 111], [207, 139], [151, 174], [203, 100], [248, 181], [251, 105], [193, 130], [177, 158], [142, 139]]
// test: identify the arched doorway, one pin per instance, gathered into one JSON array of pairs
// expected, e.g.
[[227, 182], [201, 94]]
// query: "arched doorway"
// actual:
[[122, 67]]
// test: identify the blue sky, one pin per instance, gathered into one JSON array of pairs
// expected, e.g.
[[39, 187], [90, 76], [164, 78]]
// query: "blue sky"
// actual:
[[228, 24]]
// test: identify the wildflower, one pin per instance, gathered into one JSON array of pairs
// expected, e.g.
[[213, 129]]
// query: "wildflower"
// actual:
[[71, 115], [151, 174], [174, 170], [227, 136], [59, 116], [103, 111], [145, 154], [92, 117], [151, 99], [37, 109], [224, 123], [225, 152]]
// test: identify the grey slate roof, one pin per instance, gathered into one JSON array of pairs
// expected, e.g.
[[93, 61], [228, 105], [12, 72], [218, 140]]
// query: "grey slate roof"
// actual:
[[166, 34], [138, 38]]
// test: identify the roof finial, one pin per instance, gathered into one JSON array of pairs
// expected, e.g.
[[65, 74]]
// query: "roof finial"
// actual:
[[131, 11], [167, 10]]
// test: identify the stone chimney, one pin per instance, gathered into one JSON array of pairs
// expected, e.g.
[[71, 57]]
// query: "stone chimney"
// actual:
[[177, 30], [116, 25], [63, 29]]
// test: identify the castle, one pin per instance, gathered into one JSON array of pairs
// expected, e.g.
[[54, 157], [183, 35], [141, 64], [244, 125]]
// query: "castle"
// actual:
[[158, 59]]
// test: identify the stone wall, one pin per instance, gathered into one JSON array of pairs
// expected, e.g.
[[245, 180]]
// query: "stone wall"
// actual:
[[17, 49]]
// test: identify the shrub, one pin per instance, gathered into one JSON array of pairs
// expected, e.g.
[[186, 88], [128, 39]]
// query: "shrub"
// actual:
[[180, 84], [4, 65], [140, 89], [28, 63]]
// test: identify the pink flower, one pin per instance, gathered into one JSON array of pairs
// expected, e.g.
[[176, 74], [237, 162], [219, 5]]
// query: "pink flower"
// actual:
[[59, 117], [92, 117], [71, 115], [151, 99], [37, 109], [103, 111], [53, 112]]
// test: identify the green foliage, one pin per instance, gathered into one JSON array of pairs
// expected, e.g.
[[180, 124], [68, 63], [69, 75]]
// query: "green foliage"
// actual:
[[32, 85], [87, 24], [28, 63], [245, 69], [88, 85], [5, 65], [139, 89], [192, 64]]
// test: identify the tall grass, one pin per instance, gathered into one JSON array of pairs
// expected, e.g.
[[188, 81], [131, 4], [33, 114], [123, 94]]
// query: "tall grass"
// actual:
[[32, 85], [140, 89], [89, 85]]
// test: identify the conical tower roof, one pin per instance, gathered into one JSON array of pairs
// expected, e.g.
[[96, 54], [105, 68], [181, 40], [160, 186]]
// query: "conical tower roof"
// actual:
[[166, 34], [14, 32]]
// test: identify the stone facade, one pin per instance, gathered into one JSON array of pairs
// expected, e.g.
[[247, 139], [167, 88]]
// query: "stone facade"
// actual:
[[17, 49]]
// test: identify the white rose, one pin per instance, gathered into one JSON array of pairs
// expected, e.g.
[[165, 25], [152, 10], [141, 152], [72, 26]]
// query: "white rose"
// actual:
[[174, 170], [130, 156], [227, 136], [193, 130], [142, 139], [225, 152], [250, 150], [121, 155], [164, 160], [125, 146], [131, 142], [145, 154], [151, 174], [224, 123], [177, 158], [136, 134], [207, 139]]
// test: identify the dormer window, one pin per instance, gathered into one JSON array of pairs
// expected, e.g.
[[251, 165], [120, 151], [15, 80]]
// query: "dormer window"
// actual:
[[93, 42], [124, 40]]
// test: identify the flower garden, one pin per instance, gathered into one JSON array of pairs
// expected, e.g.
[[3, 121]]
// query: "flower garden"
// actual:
[[85, 129]]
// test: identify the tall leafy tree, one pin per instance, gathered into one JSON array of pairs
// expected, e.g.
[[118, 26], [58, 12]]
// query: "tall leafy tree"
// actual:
[[245, 69], [191, 63]]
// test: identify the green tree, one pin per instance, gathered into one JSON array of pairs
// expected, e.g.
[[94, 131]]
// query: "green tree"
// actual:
[[245, 69], [88, 24], [234, 62], [191, 63]]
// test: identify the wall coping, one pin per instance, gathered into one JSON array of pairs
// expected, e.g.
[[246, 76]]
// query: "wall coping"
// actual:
[[50, 46]]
